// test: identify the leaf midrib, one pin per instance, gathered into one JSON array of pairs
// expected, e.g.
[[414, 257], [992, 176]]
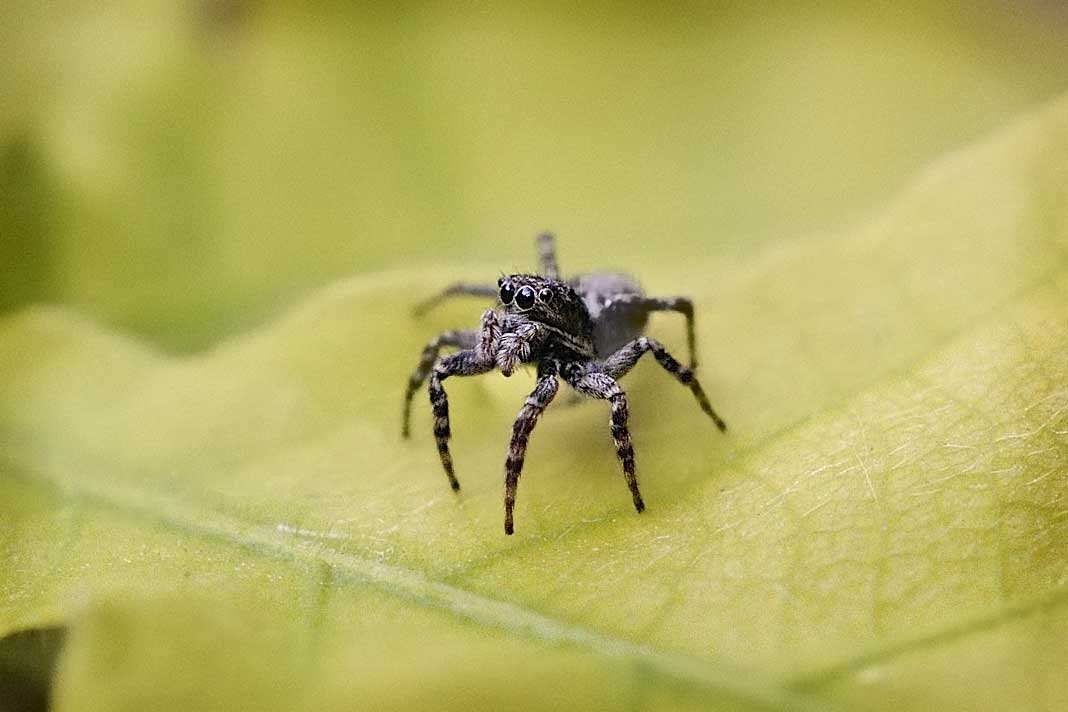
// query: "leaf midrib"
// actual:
[[714, 682]]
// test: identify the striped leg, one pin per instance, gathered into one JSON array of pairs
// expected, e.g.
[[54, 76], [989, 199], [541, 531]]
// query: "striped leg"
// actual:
[[683, 306], [469, 362], [537, 401], [454, 290], [624, 359], [601, 385], [459, 339], [640, 307], [547, 256], [462, 363]]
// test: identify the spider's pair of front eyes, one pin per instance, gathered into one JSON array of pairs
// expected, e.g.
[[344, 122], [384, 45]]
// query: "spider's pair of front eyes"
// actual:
[[524, 298]]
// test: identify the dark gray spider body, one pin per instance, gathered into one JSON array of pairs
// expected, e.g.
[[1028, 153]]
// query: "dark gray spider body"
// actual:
[[586, 330]]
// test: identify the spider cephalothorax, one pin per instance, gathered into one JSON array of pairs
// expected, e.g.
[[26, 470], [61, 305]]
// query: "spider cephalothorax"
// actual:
[[586, 331], [551, 311], [547, 300]]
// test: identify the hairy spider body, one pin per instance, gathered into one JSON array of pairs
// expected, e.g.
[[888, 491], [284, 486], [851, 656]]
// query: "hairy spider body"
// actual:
[[586, 331]]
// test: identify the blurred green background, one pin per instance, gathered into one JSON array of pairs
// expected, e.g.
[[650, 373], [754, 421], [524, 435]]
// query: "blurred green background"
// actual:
[[235, 204], [185, 170]]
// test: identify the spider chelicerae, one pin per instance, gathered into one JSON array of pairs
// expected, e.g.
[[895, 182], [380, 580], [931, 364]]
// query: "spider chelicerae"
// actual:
[[585, 330]]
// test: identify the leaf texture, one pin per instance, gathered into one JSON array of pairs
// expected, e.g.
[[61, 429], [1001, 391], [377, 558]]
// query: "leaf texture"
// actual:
[[884, 526]]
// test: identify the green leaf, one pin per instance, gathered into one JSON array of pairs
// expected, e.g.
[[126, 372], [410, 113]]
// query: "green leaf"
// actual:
[[884, 526]]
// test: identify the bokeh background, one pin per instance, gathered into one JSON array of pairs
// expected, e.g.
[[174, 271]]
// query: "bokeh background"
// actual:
[[186, 170], [228, 209]]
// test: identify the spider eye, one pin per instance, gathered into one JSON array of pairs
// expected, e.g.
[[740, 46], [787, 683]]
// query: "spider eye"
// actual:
[[500, 281], [525, 298], [545, 295], [507, 292]]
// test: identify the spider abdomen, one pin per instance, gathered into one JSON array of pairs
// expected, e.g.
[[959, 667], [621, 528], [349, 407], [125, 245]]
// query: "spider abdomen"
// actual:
[[614, 302]]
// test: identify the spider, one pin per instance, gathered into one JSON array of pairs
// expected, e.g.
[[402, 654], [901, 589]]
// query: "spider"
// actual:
[[585, 330]]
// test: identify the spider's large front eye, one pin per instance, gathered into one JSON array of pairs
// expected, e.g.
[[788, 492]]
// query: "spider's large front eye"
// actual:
[[507, 292], [525, 298]]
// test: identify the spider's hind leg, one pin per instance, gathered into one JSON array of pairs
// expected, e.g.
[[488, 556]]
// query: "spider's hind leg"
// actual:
[[547, 256]]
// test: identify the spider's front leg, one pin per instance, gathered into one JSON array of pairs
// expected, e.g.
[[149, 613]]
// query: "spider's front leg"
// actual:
[[458, 339], [538, 400], [469, 362]]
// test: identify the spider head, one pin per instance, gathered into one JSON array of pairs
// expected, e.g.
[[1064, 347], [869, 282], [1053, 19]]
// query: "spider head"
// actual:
[[549, 301], [526, 294]]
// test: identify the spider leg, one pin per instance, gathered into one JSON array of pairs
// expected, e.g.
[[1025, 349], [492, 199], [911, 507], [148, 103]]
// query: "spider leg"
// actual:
[[603, 386], [461, 363], [683, 306], [469, 362], [459, 339], [535, 405], [454, 290], [642, 306], [547, 256], [624, 359]]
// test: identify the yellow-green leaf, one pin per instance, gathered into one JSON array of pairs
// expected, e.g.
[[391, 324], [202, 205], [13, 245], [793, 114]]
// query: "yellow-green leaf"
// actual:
[[884, 526]]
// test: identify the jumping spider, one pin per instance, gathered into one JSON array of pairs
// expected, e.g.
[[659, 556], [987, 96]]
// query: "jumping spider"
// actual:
[[586, 330]]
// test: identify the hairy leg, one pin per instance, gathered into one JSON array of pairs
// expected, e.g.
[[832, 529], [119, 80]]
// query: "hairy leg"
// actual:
[[644, 306], [458, 339], [455, 290], [547, 256], [537, 401], [603, 386], [683, 306], [624, 359], [469, 362], [462, 363]]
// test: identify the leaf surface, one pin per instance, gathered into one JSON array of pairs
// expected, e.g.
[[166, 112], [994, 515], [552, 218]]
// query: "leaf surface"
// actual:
[[884, 526]]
